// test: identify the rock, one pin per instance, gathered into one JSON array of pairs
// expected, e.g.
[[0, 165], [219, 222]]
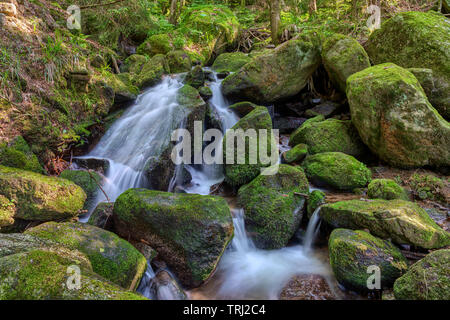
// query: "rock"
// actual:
[[152, 72], [417, 39], [336, 170], [205, 92], [427, 279], [122, 86], [111, 257], [8, 9], [343, 56], [316, 199], [99, 165], [19, 155], [195, 78], [89, 181], [394, 118], [78, 80], [243, 108], [278, 75], [44, 275], [189, 231], [148, 252], [39, 197], [287, 124], [101, 217], [272, 211], [133, 64], [331, 135], [98, 61], [307, 287], [156, 44], [240, 170], [353, 252], [426, 80], [178, 61], [386, 189], [402, 221], [7, 212], [230, 62], [296, 154], [167, 287], [327, 109]]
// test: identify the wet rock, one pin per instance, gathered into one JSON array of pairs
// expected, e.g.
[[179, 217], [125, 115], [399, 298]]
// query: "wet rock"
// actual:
[[230, 62], [273, 210], [111, 257], [148, 252], [336, 170], [287, 124], [307, 287], [152, 72], [386, 189], [395, 119], [89, 181], [101, 217], [122, 86], [39, 197], [326, 109], [243, 108], [195, 77], [189, 231], [167, 287], [427, 279], [296, 154], [205, 93], [99, 165], [353, 252], [402, 221]]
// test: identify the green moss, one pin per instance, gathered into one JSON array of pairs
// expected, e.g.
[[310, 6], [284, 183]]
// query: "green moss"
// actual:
[[134, 63], [156, 44], [230, 62], [88, 181], [427, 186], [386, 189], [111, 257], [336, 170], [205, 92], [195, 77], [152, 72], [7, 211], [316, 199], [353, 252], [243, 108], [19, 155], [178, 61], [296, 154]]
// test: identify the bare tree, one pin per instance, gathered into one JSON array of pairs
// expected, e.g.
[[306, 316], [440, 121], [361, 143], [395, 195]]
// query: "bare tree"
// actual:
[[173, 12], [275, 20], [312, 6]]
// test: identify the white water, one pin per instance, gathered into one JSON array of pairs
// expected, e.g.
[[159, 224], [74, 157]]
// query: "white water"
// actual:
[[312, 230]]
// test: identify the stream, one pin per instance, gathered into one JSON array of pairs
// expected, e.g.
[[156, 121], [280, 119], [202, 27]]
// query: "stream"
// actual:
[[244, 271]]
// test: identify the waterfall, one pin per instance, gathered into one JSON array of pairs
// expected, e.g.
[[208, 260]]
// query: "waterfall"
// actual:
[[312, 229]]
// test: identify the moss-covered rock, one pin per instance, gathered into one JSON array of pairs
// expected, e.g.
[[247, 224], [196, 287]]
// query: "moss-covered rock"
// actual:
[[426, 80], [395, 119], [402, 221], [111, 257], [178, 61], [102, 216], [336, 170], [122, 86], [315, 199], [279, 74], [353, 252], [272, 209], [427, 279], [331, 135], [417, 40], [133, 64], [39, 197], [230, 62], [89, 181], [241, 168], [45, 275], [243, 108], [386, 189], [205, 92], [7, 211], [189, 231], [343, 56], [156, 44], [296, 154], [195, 78], [152, 72], [19, 155]]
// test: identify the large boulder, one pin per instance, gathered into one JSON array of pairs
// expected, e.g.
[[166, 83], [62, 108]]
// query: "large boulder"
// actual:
[[353, 252], [279, 74], [402, 221], [427, 279], [230, 62], [111, 257], [40, 274], [151, 72], [331, 135], [178, 61], [336, 170], [386, 189], [39, 197], [156, 44], [417, 40], [17, 154], [189, 231], [343, 56], [102, 216], [239, 169], [395, 119], [273, 210], [89, 181]]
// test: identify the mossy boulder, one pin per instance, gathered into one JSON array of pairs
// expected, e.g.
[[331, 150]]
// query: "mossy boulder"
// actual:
[[122, 86], [426, 80], [111, 257], [417, 40], [343, 56], [189, 231], [402, 221], [279, 74], [39, 197], [152, 72], [44, 275], [7, 211], [386, 189], [241, 168], [178, 61], [101, 217], [17, 154], [133, 64], [296, 154], [205, 92], [331, 135], [316, 199], [195, 78], [427, 279], [272, 209], [89, 181], [230, 62], [156, 44], [243, 108], [395, 119], [352, 252], [336, 170]]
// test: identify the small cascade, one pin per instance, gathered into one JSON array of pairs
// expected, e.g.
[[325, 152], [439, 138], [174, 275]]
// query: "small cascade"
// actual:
[[312, 230], [145, 287]]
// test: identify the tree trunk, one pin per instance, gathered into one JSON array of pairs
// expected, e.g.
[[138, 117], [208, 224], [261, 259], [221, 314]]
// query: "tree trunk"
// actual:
[[275, 20], [312, 6], [173, 12]]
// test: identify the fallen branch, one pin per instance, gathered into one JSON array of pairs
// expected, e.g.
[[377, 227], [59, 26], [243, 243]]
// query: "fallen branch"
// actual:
[[301, 194]]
